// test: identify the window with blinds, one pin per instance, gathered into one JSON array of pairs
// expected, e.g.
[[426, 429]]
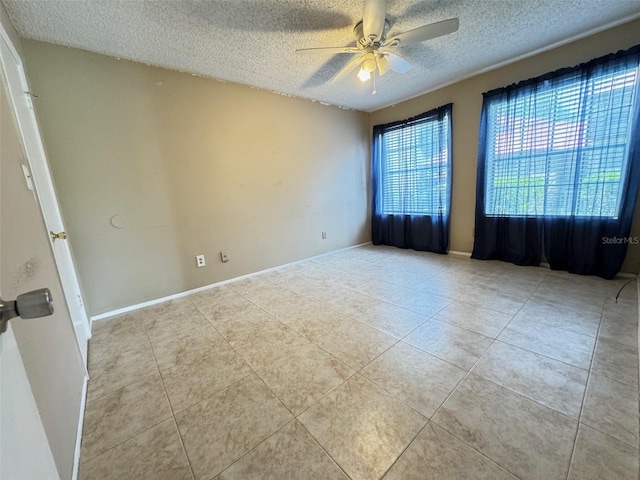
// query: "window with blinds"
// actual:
[[560, 147], [415, 166]]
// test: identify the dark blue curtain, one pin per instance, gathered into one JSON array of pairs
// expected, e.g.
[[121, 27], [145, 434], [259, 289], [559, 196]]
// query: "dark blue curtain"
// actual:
[[559, 167], [515, 239], [411, 182]]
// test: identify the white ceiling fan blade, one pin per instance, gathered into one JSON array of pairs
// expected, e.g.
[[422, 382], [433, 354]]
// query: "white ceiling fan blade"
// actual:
[[397, 63], [383, 64], [329, 50], [348, 68], [424, 33], [373, 18]]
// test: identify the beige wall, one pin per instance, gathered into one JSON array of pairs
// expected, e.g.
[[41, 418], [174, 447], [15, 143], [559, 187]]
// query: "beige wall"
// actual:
[[466, 97], [195, 166], [47, 345]]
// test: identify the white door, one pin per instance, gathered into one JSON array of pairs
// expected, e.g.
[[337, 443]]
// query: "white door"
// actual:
[[24, 449], [20, 99]]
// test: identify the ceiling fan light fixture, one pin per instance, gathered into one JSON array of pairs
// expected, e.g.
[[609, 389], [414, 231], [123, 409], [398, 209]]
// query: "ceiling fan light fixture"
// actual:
[[363, 74], [369, 64]]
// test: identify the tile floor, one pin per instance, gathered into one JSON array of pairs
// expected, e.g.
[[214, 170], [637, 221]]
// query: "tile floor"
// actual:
[[370, 363]]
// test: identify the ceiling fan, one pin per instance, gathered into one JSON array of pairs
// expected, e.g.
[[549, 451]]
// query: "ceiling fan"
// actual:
[[374, 51]]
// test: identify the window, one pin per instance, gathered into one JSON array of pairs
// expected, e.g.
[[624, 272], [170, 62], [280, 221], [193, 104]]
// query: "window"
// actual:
[[414, 165], [560, 147]]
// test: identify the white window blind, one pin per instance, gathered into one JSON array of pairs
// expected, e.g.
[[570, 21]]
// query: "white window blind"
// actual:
[[560, 147], [414, 167]]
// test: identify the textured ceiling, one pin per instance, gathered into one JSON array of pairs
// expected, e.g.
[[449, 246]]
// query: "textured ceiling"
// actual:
[[253, 42]]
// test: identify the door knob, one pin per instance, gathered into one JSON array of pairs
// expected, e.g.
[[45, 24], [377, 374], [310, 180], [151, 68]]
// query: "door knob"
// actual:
[[58, 236], [37, 303]]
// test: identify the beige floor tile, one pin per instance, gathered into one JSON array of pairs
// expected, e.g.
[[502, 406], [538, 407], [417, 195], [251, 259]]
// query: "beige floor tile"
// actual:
[[560, 344], [443, 285], [220, 430], [260, 291], [458, 276], [528, 439], [175, 323], [392, 320], [121, 369], [119, 326], [291, 453], [513, 283], [550, 382], [616, 361], [344, 262], [232, 321], [625, 310], [171, 347], [580, 289], [284, 302], [355, 344], [315, 289], [547, 312], [612, 407], [563, 295], [620, 330], [455, 345], [222, 305], [155, 454], [484, 295], [436, 454], [349, 279], [362, 427], [303, 377], [196, 377], [471, 317], [309, 318], [120, 415], [125, 337], [424, 303], [351, 303], [264, 342], [600, 457], [180, 307], [284, 276], [380, 289], [410, 279], [420, 380], [530, 273]]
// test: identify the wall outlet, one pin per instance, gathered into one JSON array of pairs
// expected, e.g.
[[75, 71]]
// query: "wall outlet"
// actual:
[[224, 256], [200, 260], [324, 235]]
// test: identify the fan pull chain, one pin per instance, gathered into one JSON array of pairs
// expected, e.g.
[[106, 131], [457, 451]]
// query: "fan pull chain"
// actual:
[[373, 75]]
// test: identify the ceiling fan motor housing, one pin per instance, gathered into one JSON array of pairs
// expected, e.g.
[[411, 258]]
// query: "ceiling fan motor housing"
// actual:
[[364, 42]]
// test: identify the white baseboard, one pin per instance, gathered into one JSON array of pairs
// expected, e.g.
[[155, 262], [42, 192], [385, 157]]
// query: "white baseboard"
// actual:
[[461, 254], [149, 303]]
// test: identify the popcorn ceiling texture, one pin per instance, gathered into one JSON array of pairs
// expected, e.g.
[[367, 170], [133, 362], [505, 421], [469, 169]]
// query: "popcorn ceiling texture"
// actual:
[[253, 42]]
